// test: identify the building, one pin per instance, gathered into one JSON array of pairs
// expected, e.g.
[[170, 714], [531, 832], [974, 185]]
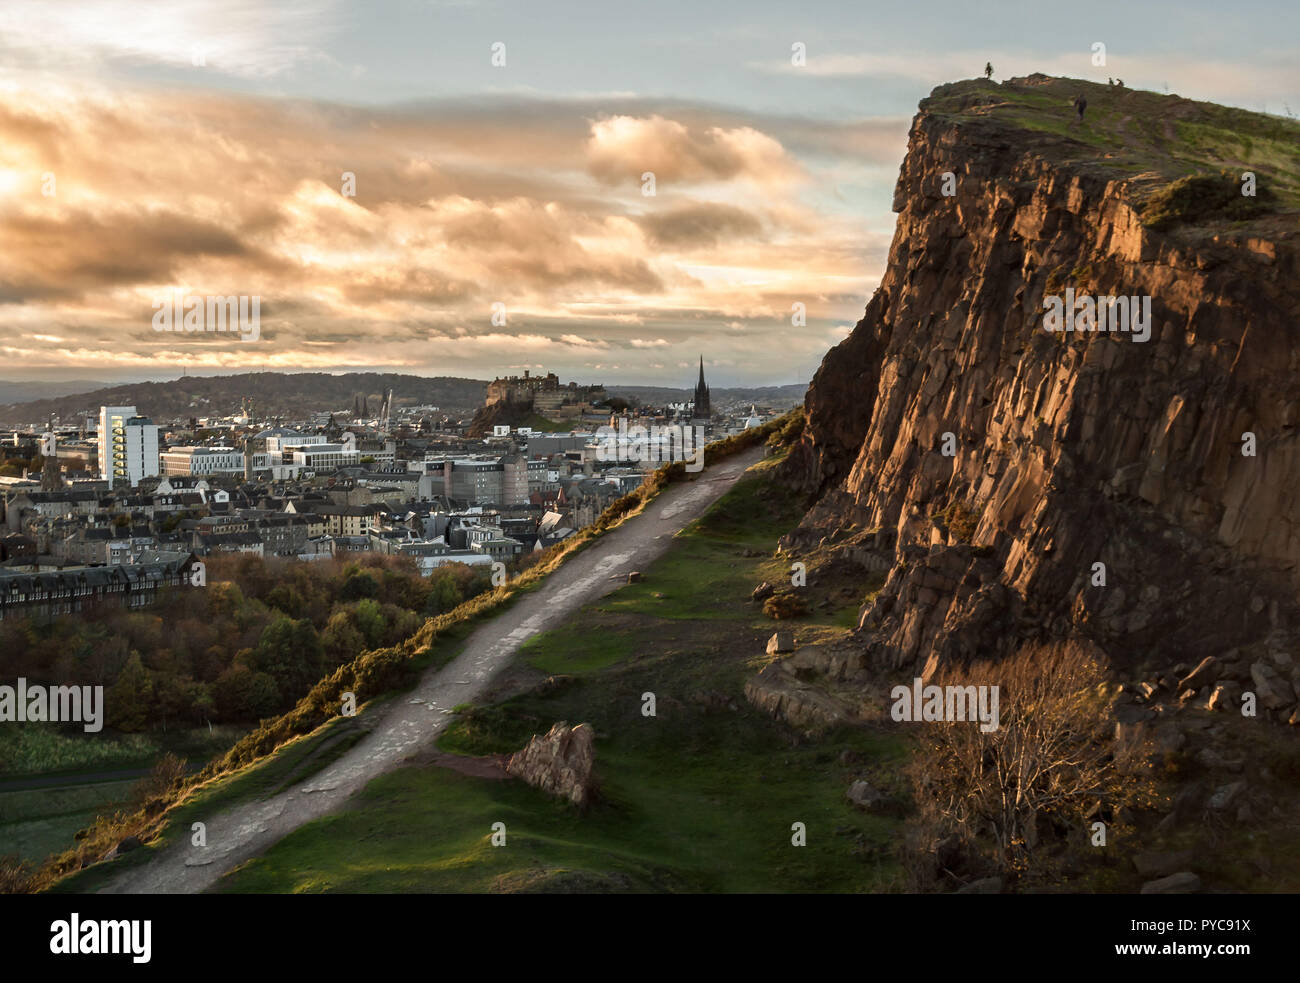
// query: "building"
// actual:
[[473, 480], [702, 410], [325, 457], [202, 460], [128, 445], [544, 394], [44, 595]]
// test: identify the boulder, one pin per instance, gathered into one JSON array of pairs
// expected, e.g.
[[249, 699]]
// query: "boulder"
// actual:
[[1184, 882], [1153, 864], [801, 705], [1225, 795], [1224, 696], [861, 794], [1206, 672], [1211, 758], [985, 885], [1274, 692], [781, 641], [1169, 737], [560, 762]]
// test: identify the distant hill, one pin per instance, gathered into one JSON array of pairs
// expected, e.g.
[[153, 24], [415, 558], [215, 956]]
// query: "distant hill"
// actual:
[[14, 391], [290, 395]]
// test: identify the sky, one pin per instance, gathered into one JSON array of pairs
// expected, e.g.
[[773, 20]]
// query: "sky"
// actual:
[[459, 187]]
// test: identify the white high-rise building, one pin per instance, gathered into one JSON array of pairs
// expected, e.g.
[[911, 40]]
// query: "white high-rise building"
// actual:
[[128, 445]]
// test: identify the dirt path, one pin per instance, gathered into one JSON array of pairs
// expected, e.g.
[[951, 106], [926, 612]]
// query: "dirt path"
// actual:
[[411, 723]]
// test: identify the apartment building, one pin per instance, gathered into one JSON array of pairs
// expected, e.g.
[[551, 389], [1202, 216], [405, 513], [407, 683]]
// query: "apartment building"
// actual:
[[128, 446]]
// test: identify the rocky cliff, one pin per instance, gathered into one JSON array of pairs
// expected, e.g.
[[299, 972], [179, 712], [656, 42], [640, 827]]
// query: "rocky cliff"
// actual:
[[991, 464]]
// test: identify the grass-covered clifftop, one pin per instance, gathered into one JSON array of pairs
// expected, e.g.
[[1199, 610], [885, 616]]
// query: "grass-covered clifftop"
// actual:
[[1148, 140]]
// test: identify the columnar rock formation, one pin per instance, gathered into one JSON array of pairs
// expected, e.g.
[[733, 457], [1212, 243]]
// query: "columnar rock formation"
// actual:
[[1067, 450]]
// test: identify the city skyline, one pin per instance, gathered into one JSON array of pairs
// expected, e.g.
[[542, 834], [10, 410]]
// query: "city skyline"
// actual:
[[511, 176]]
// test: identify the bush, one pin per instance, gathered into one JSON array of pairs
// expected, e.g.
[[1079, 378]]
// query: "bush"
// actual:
[[782, 606], [959, 520], [15, 875], [996, 798], [168, 773], [1203, 197]]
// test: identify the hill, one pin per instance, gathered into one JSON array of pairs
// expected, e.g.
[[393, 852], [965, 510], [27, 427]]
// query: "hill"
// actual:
[[16, 391], [1069, 499], [288, 395]]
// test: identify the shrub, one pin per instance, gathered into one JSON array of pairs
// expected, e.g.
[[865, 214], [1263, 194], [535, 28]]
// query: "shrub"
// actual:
[[1053, 757], [1203, 197], [959, 520], [789, 605], [15, 875]]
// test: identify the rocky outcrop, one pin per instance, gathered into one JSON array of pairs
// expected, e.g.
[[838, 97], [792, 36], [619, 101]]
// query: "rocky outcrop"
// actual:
[[559, 762], [994, 465]]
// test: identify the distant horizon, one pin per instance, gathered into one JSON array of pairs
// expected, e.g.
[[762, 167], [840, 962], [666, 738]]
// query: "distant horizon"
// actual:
[[131, 381]]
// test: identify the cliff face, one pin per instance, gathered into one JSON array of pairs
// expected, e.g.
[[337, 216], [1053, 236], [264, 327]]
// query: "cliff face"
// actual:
[[1066, 449]]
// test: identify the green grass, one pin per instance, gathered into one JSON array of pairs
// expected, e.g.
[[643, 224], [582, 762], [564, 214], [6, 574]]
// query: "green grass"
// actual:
[[699, 797], [568, 650], [707, 563], [37, 822], [294, 762], [1150, 138], [47, 751], [716, 820]]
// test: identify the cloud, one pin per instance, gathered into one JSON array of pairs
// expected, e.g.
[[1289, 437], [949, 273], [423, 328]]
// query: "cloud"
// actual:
[[699, 224], [248, 38], [458, 205], [625, 147]]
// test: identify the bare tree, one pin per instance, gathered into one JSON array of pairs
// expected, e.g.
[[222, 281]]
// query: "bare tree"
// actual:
[[1056, 753]]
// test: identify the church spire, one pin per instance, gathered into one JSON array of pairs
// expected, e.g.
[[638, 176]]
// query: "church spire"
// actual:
[[702, 410]]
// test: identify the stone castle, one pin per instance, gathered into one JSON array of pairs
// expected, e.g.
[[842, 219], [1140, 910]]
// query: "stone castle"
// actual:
[[544, 394]]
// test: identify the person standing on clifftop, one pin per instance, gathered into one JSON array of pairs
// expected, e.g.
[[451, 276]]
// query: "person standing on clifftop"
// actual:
[[988, 70]]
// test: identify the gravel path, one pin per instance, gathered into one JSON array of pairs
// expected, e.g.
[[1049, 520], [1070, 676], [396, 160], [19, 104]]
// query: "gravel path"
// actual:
[[411, 723]]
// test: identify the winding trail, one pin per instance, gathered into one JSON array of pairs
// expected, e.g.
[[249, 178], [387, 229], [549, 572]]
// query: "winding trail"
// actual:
[[412, 722]]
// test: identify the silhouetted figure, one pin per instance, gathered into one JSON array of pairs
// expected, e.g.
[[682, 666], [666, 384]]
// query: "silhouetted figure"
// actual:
[[1110, 82], [1080, 104], [988, 69], [1119, 83]]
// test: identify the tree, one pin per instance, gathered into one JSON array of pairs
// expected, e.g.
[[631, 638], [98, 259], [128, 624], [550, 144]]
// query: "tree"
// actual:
[[241, 693], [443, 596], [357, 585], [290, 653], [287, 599], [1053, 755], [341, 640], [370, 622], [129, 697], [172, 696], [204, 706]]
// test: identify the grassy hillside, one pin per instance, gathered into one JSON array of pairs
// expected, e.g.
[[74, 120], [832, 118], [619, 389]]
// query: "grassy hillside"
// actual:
[[700, 797], [1149, 139]]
